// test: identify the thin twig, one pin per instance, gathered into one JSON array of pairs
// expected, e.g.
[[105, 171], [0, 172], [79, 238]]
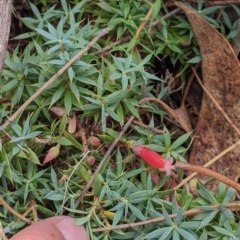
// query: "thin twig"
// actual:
[[168, 15], [2, 234], [103, 161], [34, 210], [55, 76], [213, 160], [208, 172], [193, 212], [12, 211], [155, 130], [105, 49], [70, 176], [144, 22], [31, 205]]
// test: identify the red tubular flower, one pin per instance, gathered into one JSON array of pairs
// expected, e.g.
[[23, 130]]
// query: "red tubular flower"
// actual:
[[154, 159]]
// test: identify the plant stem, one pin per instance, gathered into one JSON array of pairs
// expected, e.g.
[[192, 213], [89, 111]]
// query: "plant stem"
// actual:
[[15, 213], [208, 172]]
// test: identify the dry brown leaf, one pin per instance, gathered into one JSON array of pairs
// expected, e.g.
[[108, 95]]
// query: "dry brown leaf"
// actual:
[[221, 76]]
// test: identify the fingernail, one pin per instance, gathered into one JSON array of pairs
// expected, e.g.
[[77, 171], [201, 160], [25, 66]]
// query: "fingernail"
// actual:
[[71, 232]]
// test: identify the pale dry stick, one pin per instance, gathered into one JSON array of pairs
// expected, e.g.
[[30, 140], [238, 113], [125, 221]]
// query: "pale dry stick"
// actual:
[[193, 212], [2, 234], [103, 161], [208, 172], [55, 76], [68, 179], [105, 49], [168, 15], [215, 102], [34, 211], [144, 22], [212, 161], [29, 211], [127, 38], [13, 212]]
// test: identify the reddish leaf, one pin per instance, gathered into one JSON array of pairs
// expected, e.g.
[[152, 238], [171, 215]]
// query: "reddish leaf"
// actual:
[[72, 125], [58, 111], [94, 141], [52, 154]]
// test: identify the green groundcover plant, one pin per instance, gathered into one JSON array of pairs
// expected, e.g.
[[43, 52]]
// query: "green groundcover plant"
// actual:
[[50, 151]]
